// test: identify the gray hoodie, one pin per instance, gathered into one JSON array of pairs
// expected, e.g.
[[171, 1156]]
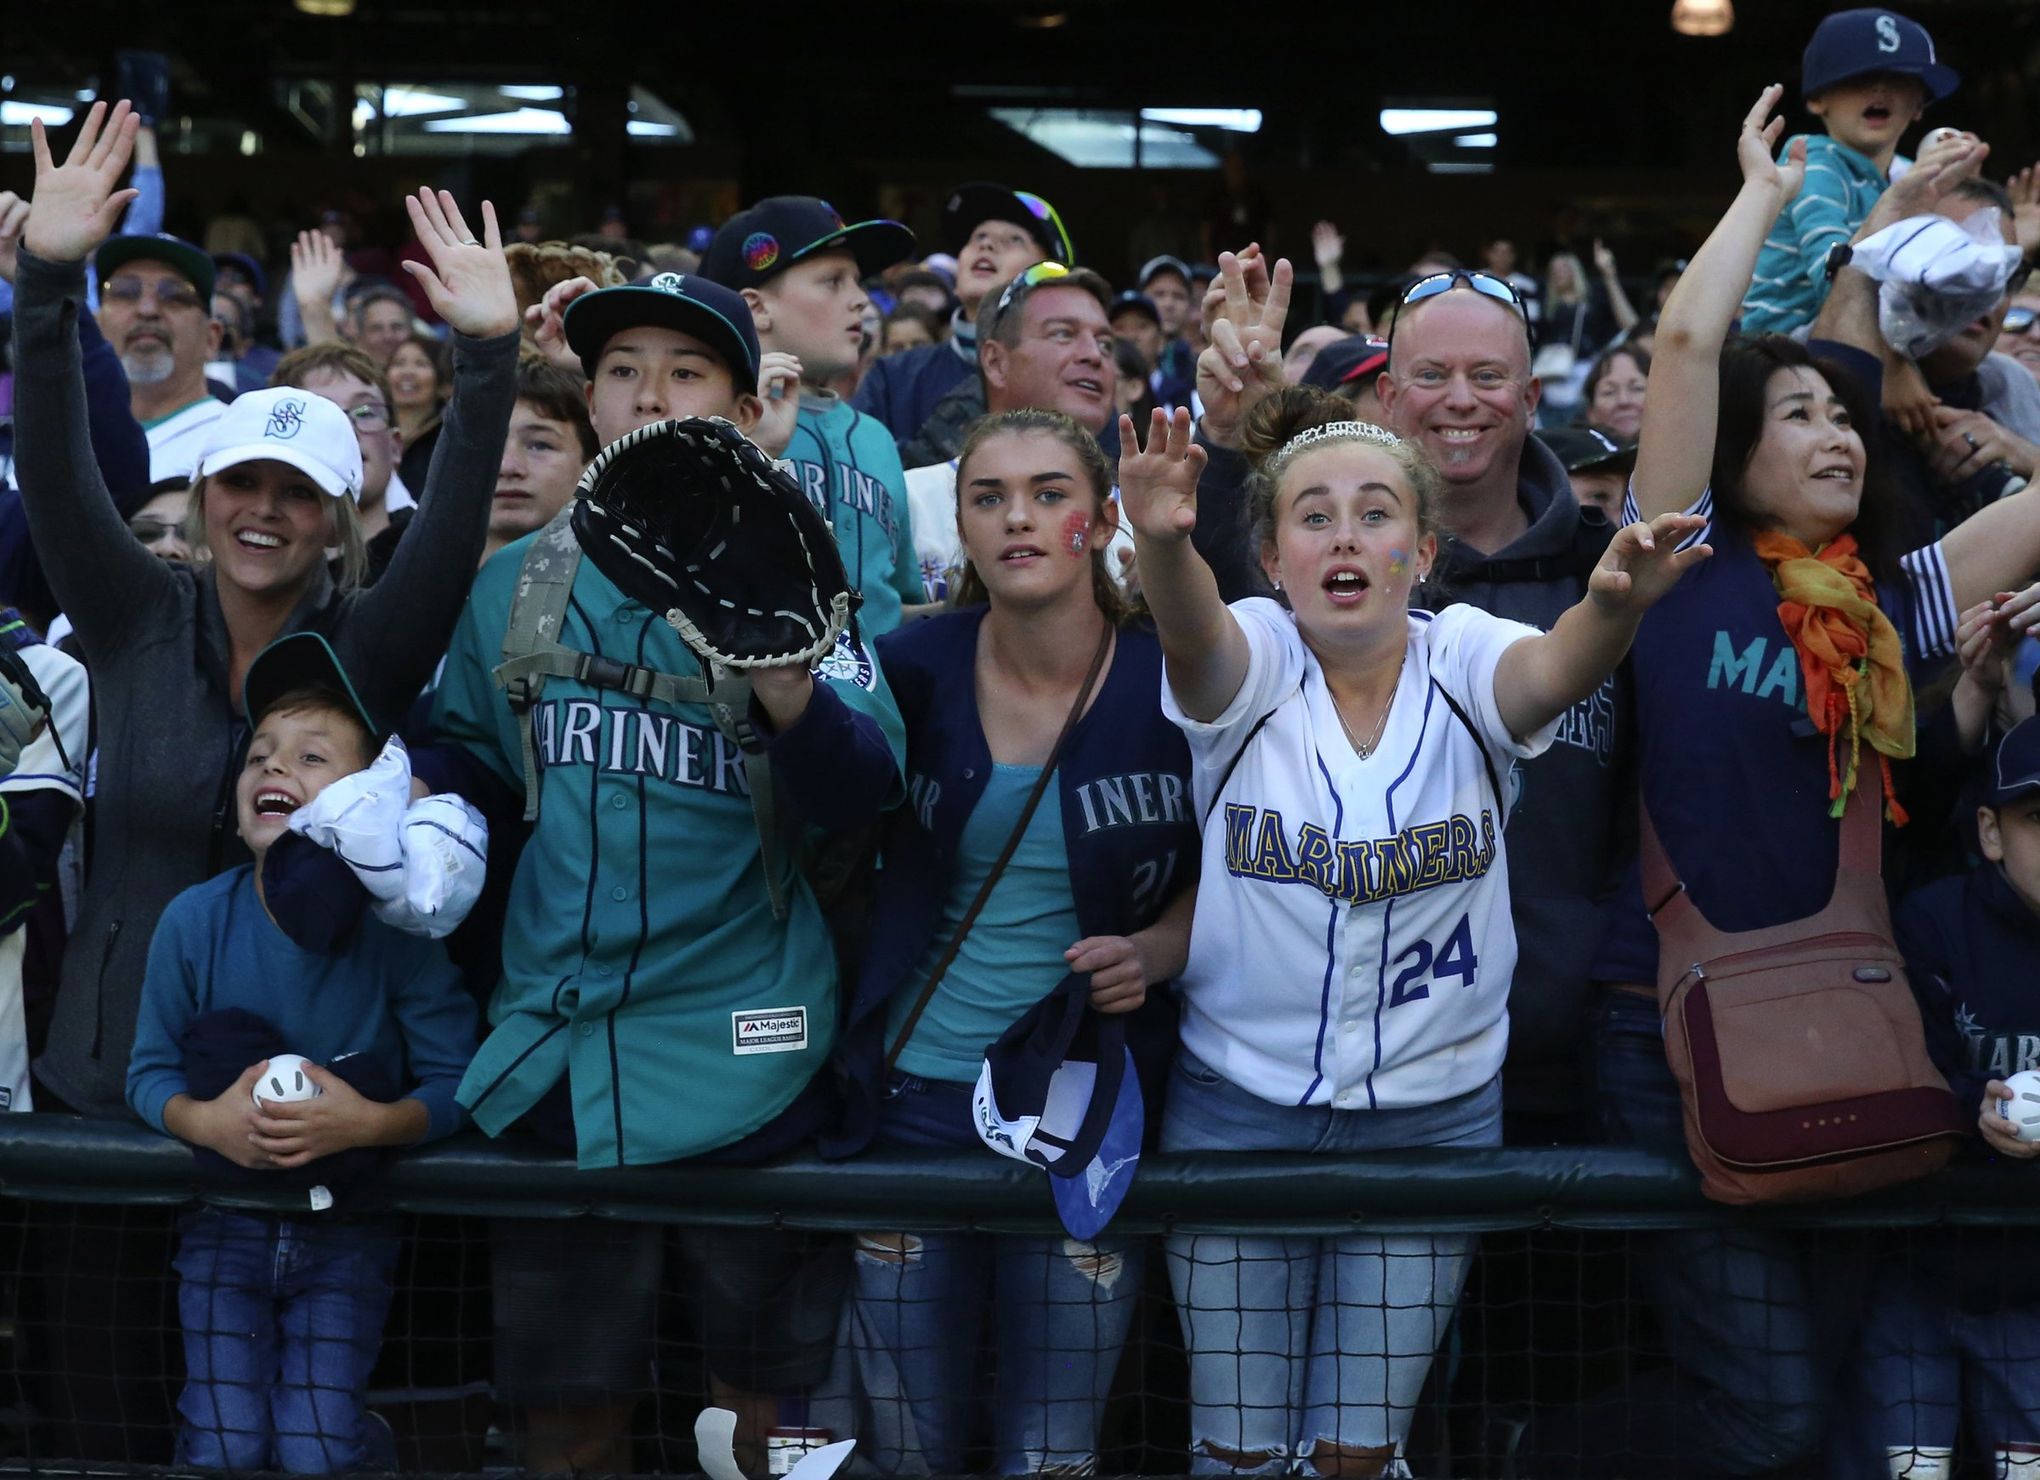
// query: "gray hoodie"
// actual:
[[169, 732], [1569, 801]]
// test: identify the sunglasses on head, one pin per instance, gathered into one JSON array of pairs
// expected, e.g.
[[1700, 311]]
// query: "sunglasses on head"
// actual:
[[2018, 320], [1034, 277], [1484, 283], [1045, 213]]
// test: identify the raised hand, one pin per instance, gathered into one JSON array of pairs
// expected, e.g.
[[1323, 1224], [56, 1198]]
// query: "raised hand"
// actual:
[[76, 204], [779, 393], [1604, 260], [1158, 486], [2024, 187], [546, 321], [1327, 246], [1643, 562], [1243, 361], [468, 281], [1756, 149], [315, 267], [13, 216]]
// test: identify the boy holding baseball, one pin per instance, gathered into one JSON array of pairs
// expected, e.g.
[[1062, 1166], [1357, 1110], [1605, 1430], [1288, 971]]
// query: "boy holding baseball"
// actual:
[[283, 1313], [1945, 1333]]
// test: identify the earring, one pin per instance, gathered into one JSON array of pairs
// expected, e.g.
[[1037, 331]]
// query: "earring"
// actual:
[[1277, 585]]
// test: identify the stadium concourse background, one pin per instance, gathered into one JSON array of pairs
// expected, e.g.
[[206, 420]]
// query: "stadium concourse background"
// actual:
[[676, 113]]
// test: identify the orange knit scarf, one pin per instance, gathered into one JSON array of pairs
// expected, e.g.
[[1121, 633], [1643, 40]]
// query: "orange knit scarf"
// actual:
[[1849, 654]]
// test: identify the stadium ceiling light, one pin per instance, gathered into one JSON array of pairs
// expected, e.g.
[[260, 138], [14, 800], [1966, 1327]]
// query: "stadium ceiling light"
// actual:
[[20, 115], [1703, 17], [533, 94], [1477, 141], [520, 121], [1234, 120], [1435, 120], [325, 7]]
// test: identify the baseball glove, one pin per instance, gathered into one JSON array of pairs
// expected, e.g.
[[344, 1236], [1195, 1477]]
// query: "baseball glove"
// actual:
[[690, 519]]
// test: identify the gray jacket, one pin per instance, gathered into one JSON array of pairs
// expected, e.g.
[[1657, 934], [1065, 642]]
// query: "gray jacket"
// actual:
[[1570, 805], [169, 732]]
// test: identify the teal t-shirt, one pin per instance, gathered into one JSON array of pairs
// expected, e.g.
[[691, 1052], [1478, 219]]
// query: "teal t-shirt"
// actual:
[[1013, 955]]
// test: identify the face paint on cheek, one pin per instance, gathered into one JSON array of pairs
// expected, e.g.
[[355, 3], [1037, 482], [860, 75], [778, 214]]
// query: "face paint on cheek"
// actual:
[[1398, 562], [1076, 532]]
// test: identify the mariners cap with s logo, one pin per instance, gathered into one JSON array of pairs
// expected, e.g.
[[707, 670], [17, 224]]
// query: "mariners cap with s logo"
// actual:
[[284, 424], [1863, 43], [687, 301], [781, 230], [1059, 1091]]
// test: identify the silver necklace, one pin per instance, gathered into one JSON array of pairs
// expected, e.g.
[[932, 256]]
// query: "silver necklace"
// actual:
[[1364, 751]]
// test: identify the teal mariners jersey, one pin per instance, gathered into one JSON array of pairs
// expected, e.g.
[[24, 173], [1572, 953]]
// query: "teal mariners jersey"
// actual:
[[847, 464], [641, 957]]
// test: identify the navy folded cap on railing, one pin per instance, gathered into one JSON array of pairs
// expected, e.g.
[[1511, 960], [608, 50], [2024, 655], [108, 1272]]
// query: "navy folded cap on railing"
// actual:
[[65, 1158]]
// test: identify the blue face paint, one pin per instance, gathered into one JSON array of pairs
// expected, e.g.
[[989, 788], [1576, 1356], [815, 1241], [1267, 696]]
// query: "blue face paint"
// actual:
[[1398, 562]]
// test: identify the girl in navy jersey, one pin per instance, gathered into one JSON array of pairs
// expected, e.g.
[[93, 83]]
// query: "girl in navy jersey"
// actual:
[[1350, 962], [1751, 737], [1098, 885]]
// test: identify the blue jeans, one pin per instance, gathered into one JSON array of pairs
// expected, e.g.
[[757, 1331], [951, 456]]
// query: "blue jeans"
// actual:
[[282, 1321], [1926, 1361], [1296, 1342], [1060, 1310], [1748, 1315]]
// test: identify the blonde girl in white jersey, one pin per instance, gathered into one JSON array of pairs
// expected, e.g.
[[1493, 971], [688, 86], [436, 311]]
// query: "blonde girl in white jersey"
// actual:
[[1350, 960]]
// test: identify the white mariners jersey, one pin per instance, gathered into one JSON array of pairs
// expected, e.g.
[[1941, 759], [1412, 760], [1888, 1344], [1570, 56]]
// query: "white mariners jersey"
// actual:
[[1353, 944]]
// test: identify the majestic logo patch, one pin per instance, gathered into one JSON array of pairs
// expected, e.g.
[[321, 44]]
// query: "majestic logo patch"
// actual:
[[761, 250], [668, 282], [769, 1030], [286, 419], [846, 662]]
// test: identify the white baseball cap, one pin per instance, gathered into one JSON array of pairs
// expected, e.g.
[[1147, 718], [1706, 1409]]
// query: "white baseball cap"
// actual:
[[288, 425]]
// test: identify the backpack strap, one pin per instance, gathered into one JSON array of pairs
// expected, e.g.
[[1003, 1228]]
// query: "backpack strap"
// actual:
[[532, 653]]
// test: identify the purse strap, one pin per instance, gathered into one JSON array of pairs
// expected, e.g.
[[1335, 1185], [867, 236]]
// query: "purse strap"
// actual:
[[1006, 853], [1861, 851]]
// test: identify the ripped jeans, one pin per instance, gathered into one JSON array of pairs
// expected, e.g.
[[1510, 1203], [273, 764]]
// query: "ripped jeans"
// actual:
[[1297, 1342], [1060, 1310]]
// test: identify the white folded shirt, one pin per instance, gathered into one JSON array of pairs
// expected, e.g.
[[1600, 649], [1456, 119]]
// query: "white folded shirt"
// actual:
[[423, 863]]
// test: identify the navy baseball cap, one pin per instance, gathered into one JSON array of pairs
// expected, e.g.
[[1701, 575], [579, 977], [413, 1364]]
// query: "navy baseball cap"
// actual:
[[686, 301], [303, 660], [1139, 302], [698, 238], [1154, 267], [773, 235], [245, 265], [1344, 361], [2015, 770], [971, 205], [1863, 43], [1588, 449], [1059, 1090], [173, 251]]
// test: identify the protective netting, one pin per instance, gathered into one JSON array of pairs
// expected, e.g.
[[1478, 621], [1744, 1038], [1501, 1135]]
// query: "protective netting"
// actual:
[[144, 1335]]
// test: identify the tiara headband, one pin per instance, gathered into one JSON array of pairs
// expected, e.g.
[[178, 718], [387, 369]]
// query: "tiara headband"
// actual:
[[1359, 431]]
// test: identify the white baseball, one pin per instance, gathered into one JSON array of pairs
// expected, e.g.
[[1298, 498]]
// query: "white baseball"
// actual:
[[284, 1081], [2022, 1110], [1936, 136]]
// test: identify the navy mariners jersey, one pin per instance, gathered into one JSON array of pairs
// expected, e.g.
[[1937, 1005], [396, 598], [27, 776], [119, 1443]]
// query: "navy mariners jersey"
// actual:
[[1731, 767], [1352, 944], [640, 955], [849, 468]]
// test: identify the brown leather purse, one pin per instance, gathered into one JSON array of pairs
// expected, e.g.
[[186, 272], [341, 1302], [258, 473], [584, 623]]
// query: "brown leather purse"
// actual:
[[1798, 1048]]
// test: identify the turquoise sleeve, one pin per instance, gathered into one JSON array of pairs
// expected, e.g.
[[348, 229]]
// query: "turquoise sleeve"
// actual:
[[155, 1073], [468, 706]]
